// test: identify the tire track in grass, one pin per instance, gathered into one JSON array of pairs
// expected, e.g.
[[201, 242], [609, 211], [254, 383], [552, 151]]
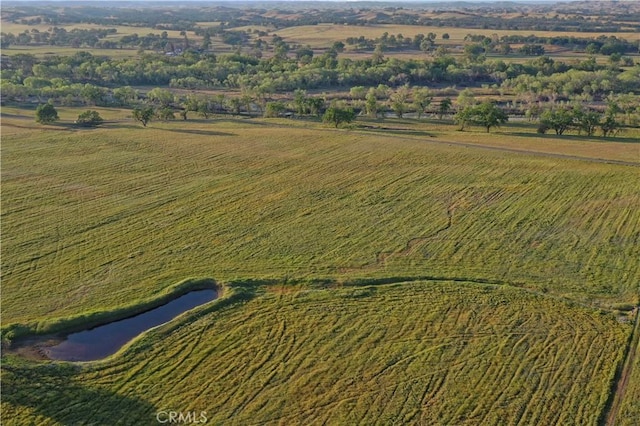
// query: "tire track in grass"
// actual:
[[278, 335], [619, 385]]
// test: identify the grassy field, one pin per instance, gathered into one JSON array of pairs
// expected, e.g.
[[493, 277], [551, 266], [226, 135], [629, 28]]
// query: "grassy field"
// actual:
[[15, 28], [125, 211], [122, 30], [323, 35], [519, 248], [319, 36], [415, 353], [44, 51]]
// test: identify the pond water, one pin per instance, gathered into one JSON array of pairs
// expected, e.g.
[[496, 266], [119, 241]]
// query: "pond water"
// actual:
[[105, 340]]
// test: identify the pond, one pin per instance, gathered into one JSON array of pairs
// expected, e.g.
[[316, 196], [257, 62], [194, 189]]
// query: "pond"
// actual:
[[105, 340]]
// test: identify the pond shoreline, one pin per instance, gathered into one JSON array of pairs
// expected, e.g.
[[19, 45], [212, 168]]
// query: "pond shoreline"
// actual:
[[116, 328]]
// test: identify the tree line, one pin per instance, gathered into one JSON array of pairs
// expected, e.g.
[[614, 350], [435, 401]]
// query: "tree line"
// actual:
[[375, 102], [25, 76]]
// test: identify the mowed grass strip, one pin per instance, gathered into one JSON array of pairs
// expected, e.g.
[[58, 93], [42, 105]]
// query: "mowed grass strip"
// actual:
[[96, 219], [414, 353]]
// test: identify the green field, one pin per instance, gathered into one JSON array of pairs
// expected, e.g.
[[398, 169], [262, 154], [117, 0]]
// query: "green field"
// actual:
[[509, 259], [422, 352]]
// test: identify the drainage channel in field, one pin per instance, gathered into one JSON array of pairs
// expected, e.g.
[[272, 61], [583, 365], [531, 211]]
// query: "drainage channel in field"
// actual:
[[105, 340]]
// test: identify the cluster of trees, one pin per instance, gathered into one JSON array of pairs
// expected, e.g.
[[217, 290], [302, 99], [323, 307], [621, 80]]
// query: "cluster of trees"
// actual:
[[56, 36], [590, 84], [88, 78], [605, 45], [581, 119], [26, 78], [486, 114], [485, 16], [395, 42], [552, 17], [162, 104], [96, 38], [47, 114]]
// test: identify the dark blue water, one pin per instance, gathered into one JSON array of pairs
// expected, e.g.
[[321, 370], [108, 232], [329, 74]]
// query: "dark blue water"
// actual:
[[105, 340]]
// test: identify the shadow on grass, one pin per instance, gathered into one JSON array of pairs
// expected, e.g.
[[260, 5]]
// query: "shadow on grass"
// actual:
[[575, 138], [357, 282], [199, 132], [18, 116], [116, 125], [53, 391], [395, 131]]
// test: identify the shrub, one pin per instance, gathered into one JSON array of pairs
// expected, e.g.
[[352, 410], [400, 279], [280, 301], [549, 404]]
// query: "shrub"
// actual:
[[274, 109], [337, 116], [46, 114], [89, 118]]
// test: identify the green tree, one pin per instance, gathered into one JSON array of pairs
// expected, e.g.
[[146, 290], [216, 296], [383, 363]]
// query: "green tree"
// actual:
[[488, 115], [615, 59], [337, 115], [93, 95], [125, 95], [466, 98], [315, 105], [274, 109], [378, 55], [161, 97], [586, 121], [610, 126], [421, 100], [304, 54], [559, 120], [473, 51], [235, 105], [338, 46], [358, 92], [300, 101], [505, 49], [206, 41], [371, 106], [165, 114], [89, 118], [144, 114], [532, 50], [399, 101], [444, 107], [190, 104], [46, 114], [205, 108], [463, 117]]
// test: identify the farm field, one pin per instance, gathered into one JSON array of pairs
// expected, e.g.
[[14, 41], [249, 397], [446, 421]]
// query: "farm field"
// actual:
[[421, 352], [324, 34], [11, 27], [44, 51], [152, 206], [359, 260], [503, 263]]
